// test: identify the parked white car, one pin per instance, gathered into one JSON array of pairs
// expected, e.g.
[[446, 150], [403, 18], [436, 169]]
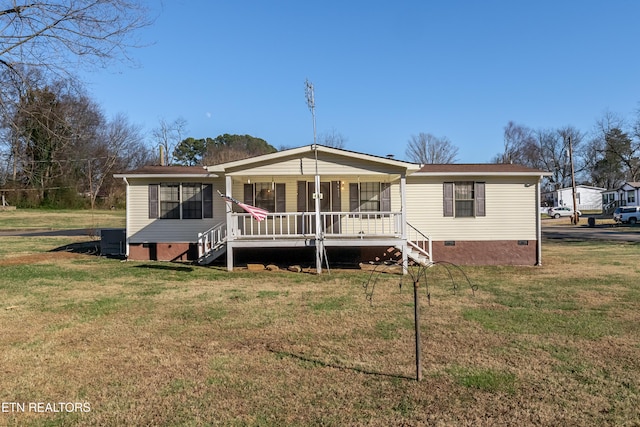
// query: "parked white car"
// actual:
[[561, 211], [627, 214]]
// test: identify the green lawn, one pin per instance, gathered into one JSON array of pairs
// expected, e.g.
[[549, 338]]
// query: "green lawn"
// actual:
[[150, 343], [60, 219]]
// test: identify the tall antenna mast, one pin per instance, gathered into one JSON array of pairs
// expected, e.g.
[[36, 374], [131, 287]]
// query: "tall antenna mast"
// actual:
[[311, 103], [317, 195]]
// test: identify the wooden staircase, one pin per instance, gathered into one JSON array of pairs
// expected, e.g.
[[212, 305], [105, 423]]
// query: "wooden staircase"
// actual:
[[419, 248], [212, 244]]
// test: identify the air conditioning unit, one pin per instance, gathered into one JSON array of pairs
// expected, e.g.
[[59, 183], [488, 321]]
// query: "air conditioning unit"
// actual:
[[113, 242]]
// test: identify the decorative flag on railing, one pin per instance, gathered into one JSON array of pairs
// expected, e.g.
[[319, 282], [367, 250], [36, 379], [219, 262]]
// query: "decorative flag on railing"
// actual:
[[258, 214]]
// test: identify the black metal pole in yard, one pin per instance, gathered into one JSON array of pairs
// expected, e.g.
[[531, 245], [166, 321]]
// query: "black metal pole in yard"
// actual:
[[416, 313]]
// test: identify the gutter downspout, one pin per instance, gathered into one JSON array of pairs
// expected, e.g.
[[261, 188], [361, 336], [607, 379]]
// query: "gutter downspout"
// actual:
[[126, 221], [538, 224]]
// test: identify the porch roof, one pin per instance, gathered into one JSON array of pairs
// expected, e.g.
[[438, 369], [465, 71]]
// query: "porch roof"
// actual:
[[489, 169], [155, 171], [305, 151]]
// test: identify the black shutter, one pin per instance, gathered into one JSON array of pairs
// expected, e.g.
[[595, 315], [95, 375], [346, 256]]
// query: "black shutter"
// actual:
[[385, 197], [302, 196], [301, 223], [336, 206], [311, 202], [153, 200], [248, 194], [281, 205], [448, 198], [207, 201], [354, 197], [480, 198]]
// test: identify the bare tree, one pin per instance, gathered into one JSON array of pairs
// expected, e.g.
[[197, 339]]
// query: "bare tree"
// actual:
[[428, 149], [168, 136], [333, 139], [553, 158], [44, 133], [520, 146], [59, 37], [64, 35], [118, 146]]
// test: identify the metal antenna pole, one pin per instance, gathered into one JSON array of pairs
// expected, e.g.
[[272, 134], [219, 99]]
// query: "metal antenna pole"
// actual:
[[311, 103], [416, 320]]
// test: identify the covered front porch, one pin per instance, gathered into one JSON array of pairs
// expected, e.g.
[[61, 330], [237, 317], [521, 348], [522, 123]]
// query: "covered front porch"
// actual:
[[315, 197], [298, 230]]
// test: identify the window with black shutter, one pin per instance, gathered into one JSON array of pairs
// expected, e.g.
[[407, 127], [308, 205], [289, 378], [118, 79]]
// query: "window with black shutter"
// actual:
[[463, 199]]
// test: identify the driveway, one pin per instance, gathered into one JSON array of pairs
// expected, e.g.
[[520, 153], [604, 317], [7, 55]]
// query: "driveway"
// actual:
[[89, 232], [561, 229]]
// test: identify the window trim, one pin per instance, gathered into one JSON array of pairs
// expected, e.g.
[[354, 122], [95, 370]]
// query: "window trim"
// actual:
[[449, 199], [279, 196], [383, 194], [164, 213], [155, 200]]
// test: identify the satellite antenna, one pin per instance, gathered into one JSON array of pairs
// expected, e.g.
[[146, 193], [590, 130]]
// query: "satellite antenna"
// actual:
[[317, 195]]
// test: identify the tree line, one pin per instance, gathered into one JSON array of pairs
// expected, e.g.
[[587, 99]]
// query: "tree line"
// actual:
[[607, 156], [58, 149]]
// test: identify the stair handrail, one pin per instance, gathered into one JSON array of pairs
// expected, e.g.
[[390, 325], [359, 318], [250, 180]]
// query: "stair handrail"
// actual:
[[208, 240], [414, 237]]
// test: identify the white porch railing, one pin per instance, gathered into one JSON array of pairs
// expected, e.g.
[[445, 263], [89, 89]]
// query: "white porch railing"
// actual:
[[419, 242], [301, 224], [208, 240], [354, 225]]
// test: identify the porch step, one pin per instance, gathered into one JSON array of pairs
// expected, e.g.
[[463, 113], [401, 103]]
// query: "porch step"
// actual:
[[394, 254], [216, 252], [418, 257]]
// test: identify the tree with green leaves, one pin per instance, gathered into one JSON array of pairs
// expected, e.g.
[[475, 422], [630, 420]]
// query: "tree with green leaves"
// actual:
[[614, 154], [191, 151], [227, 148]]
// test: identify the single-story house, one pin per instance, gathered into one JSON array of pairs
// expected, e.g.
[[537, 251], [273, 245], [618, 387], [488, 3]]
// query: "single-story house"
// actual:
[[628, 194], [365, 208], [588, 198]]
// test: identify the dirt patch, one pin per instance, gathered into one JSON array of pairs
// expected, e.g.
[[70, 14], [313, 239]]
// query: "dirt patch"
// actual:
[[43, 257]]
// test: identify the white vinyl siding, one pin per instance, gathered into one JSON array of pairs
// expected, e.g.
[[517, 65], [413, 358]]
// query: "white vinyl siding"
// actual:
[[141, 228], [510, 209], [291, 189], [328, 165]]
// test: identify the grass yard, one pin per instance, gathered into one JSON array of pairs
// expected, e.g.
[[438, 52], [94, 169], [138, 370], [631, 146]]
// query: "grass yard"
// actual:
[[134, 343], [27, 219]]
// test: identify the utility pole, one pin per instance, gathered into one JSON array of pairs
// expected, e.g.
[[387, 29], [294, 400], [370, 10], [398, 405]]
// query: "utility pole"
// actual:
[[575, 218], [317, 195]]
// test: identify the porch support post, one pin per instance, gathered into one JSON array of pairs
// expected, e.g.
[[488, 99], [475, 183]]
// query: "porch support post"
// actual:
[[539, 225], [127, 219], [229, 218], [403, 222]]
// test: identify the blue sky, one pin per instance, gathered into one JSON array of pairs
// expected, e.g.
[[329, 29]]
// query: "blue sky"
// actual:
[[382, 70]]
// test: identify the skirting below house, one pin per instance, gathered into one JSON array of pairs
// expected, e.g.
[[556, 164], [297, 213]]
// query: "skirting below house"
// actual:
[[493, 252], [163, 251], [460, 252]]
